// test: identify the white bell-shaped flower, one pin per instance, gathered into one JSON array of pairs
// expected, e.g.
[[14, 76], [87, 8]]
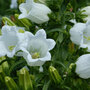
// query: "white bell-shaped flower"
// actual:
[[80, 35], [37, 50], [13, 4], [87, 12], [83, 66], [10, 40], [36, 12]]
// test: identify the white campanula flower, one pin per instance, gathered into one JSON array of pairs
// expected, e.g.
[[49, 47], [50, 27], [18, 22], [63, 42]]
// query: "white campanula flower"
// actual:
[[83, 66], [87, 12], [10, 40], [37, 50], [13, 4], [80, 35], [36, 12]]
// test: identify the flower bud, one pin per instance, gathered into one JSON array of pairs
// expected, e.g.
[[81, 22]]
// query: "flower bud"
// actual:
[[25, 80], [72, 65], [55, 75], [22, 22], [2, 74], [11, 83], [5, 67], [7, 21], [71, 69]]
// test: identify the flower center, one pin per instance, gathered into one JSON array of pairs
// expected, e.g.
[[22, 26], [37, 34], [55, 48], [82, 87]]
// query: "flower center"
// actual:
[[11, 48], [21, 31], [35, 55]]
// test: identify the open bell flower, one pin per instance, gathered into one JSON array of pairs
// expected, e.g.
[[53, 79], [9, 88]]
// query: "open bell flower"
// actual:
[[35, 12], [10, 40], [83, 66], [37, 49], [87, 12], [80, 35]]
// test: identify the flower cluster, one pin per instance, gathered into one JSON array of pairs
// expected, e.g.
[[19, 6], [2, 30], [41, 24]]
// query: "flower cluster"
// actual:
[[80, 35], [35, 48], [16, 41]]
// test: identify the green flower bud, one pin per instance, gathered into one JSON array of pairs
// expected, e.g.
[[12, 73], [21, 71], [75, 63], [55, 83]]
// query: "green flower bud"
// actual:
[[11, 83], [55, 75], [5, 67], [71, 69], [7, 21], [22, 22], [2, 74], [71, 65], [25, 80]]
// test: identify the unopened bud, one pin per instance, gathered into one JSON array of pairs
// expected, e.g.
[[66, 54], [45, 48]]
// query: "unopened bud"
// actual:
[[2, 74], [25, 80], [55, 75], [7, 21], [72, 65], [11, 83], [22, 22], [5, 67]]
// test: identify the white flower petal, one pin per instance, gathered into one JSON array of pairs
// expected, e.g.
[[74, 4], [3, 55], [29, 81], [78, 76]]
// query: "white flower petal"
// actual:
[[13, 4], [47, 57], [38, 45], [83, 66], [38, 13], [51, 44], [41, 33], [3, 50], [76, 33], [24, 11], [87, 12], [12, 39], [37, 51]]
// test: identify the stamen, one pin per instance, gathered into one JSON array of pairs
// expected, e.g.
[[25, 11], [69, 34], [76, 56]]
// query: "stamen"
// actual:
[[11, 48], [87, 38], [35, 55], [21, 31]]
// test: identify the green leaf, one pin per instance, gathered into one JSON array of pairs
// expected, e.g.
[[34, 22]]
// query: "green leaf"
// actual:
[[15, 65], [46, 85]]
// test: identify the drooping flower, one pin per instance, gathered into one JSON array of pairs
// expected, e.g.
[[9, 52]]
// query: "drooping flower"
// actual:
[[36, 12], [83, 66], [80, 35], [10, 40], [13, 4], [37, 50], [87, 12]]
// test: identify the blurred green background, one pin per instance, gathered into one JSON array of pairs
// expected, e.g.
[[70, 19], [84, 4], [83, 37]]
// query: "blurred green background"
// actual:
[[4, 6]]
